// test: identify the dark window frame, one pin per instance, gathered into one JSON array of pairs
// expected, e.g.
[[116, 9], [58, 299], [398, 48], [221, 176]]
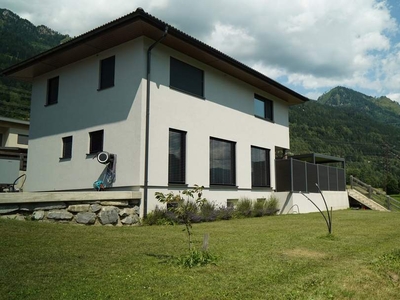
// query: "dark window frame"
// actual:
[[186, 78], [177, 169], [53, 86], [107, 73], [268, 108], [232, 168], [96, 141], [67, 147], [265, 180]]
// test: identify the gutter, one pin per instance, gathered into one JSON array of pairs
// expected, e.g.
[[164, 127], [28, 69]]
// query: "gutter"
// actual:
[[147, 138]]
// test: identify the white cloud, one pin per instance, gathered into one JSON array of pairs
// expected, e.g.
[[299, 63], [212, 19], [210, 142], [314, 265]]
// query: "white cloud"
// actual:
[[312, 45]]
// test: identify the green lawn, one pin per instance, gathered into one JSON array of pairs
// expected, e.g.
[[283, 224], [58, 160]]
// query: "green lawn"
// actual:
[[280, 257]]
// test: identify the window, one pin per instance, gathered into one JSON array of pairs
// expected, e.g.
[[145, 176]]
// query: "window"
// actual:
[[107, 73], [186, 78], [96, 141], [52, 91], [177, 153], [263, 108], [260, 176], [22, 139], [222, 162], [1, 140], [67, 147]]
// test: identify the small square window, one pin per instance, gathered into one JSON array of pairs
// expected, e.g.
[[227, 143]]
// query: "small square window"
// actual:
[[186, 78], [52, 91], [263, 108], [22, 139], [67, 147], [96, 141], [107, 73]]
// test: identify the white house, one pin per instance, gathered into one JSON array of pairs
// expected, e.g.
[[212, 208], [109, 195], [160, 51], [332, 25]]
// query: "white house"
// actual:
[[175, 112], [13, 150]]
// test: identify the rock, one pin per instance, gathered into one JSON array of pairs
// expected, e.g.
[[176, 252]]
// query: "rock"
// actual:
[[9, 217], [79, 208], [135, 219], [127, 212], [85, 218], [137, 210], [109, 215], [6, 209], [127, 221], [115, 203], [20, 218], [38, 215], [95, 208], [43, 206], [60, 215]]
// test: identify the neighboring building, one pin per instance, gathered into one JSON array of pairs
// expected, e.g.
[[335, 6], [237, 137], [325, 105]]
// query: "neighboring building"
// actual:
[[212, 120], [13, 150]]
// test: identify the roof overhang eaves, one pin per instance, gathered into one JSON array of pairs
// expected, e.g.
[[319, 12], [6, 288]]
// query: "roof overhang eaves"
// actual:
[[140, 23]]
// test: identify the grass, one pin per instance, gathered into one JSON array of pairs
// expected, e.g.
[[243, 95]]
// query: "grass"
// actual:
[[280, 257]]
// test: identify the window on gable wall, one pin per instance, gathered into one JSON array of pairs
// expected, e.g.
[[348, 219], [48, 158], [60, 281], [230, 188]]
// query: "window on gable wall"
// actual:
[[263, 108], [96, 141], [22, 139], [186, 78], [260, 174], [52, 91], [177, 156], [107, 73], [222, 162], [67, 147]]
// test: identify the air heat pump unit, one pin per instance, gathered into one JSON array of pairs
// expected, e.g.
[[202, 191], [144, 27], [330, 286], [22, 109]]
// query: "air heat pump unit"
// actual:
[[105, 157]]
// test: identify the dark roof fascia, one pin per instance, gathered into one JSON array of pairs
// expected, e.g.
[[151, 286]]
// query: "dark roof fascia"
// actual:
[[140, 14], [322, 158]]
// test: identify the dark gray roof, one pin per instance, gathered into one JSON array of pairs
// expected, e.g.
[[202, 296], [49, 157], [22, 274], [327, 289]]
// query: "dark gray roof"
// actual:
[[136, 24]]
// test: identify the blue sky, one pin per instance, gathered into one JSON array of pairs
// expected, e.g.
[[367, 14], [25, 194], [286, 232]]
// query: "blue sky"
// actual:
[[310, 46]]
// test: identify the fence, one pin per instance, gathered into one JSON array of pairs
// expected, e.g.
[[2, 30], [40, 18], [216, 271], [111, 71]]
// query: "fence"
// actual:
[[299, 176], [374, 194]]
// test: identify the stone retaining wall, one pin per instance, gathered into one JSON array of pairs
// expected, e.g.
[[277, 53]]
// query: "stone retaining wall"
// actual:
[[125, 212]]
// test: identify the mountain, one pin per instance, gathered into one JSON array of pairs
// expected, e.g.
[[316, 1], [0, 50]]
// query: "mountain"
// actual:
[[362, 129], [23, 40]]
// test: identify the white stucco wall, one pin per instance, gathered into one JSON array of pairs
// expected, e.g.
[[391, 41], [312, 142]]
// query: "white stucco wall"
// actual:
[[227, 112], [81, 109], [297, 203]]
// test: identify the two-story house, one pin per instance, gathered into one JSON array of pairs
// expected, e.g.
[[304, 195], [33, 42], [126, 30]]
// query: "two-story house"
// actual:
[[173, 110]]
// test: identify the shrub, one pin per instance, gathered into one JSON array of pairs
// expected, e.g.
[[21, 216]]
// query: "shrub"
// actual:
[[259, 208], [158, 216], [196, 258], [208, 212], [225, 213], [271, 206], [244, 207]]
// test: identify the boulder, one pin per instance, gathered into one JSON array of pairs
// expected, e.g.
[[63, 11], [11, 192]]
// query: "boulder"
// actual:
[[42, 206], [60, 215], [109, 215], [126, 212], [85, 218], [38, 215], [76, 208], [6, 209], [115, 203], [95, 208]]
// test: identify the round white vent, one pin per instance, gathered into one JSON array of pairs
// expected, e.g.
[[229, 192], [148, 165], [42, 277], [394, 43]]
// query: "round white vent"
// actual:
[[103, 157]]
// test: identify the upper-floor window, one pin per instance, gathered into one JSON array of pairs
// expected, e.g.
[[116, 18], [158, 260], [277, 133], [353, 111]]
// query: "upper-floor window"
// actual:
[[22, 139], [260, 175], [263, 108], [52, 91], [222, 162], [186, 78], [96, 141], [107, 72], [177, 156], [67, 147]]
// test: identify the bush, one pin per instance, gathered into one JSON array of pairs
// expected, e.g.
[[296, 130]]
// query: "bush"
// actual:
[[159, 216], [244, 207], [225, 213], [259, 208], [208, 212], [271, 206], [196, 258]]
